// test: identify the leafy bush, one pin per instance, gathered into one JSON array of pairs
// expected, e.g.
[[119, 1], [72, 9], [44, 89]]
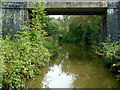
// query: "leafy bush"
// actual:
[[75, 29], [51, 43], [22, 57], [76, 34], [111, 53], [91, 35]]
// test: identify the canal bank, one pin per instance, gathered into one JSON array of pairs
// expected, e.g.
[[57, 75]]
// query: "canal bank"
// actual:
[[75, 66]]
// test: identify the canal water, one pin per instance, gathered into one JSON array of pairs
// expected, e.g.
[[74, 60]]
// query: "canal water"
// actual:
[[75, 66]]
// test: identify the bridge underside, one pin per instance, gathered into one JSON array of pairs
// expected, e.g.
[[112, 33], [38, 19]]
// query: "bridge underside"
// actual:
[[75, 11], [13, 10]]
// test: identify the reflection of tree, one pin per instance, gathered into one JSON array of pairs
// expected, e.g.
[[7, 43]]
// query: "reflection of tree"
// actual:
[[83, 63], [77, 51], [36, 82], [80, 62]]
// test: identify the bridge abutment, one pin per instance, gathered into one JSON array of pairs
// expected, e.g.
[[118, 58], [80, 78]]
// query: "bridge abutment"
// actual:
[[113, 21], [14, 13]]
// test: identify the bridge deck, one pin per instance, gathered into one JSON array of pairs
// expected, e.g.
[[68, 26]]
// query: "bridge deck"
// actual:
[[61, 0]]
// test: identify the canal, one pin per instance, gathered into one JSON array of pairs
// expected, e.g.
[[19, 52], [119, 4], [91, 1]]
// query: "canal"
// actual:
[[75, 66]]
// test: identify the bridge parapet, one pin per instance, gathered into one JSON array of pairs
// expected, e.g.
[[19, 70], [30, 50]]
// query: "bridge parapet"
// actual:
[[71, 3], [57, 0], [60, 0], [62, 3]]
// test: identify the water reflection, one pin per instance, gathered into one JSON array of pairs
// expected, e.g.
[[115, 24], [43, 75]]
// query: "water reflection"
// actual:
[[74, 67], [56, 78]]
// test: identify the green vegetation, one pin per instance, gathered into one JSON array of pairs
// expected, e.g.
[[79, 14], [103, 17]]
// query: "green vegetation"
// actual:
[[1, 62], [111, 54], [75, 29], [25, 55], [35, 41], [85, 29]]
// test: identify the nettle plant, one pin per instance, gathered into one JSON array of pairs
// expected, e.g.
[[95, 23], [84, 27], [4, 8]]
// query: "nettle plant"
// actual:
[[23, 56]]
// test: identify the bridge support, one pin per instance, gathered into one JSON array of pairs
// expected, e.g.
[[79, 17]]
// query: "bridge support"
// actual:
[[110, 22], [14, 13], [113, 21]]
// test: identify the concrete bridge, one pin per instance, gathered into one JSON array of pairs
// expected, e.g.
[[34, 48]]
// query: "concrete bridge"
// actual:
[[109, 10]]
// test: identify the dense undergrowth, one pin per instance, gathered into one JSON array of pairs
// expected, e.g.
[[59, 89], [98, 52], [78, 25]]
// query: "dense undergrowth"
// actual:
[[111, 56], [25, 55], [76, 29]]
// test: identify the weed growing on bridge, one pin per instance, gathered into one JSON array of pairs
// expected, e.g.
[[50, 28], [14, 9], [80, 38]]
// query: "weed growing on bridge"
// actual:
[[23, 57]]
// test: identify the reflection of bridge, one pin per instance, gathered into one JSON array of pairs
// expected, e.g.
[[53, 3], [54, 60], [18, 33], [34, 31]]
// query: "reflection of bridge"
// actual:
[[13, 10]]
